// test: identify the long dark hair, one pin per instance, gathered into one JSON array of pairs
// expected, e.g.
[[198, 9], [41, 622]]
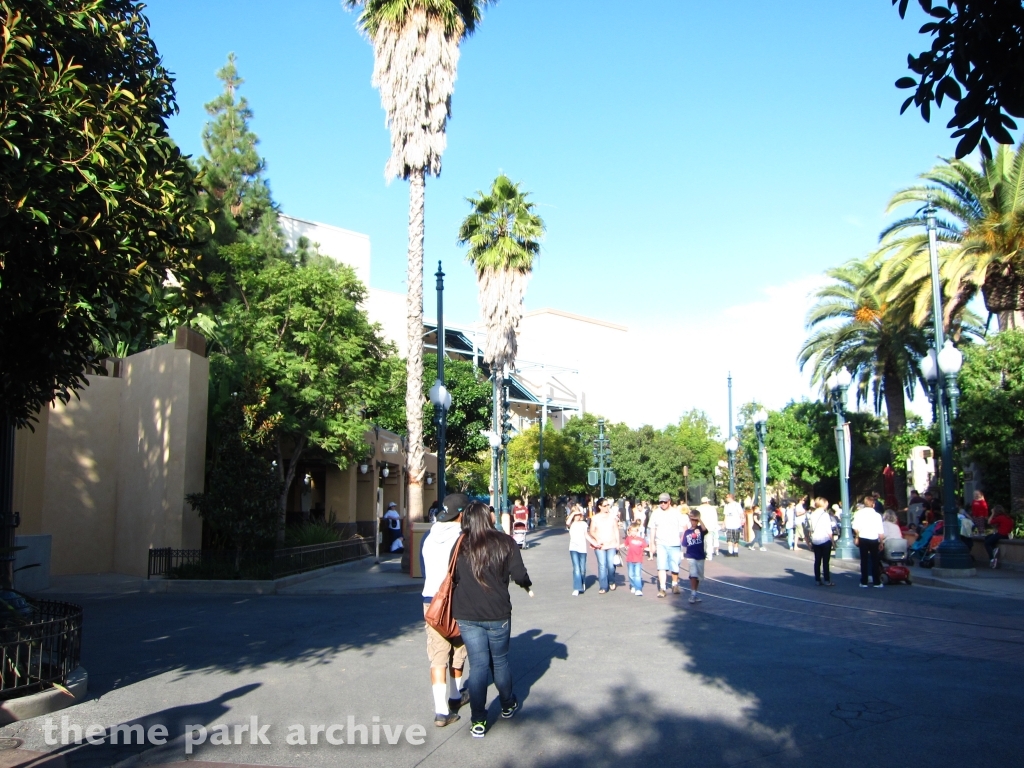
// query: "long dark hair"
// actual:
[[485, 546]]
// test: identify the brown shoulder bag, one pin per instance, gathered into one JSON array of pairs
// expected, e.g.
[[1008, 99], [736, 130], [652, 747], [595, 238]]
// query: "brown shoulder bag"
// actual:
[[439, 612]]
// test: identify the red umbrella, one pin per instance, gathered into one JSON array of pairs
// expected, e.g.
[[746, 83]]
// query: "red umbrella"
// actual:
[[889, 482]]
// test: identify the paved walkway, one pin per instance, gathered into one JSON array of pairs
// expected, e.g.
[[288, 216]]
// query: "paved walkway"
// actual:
[[768, 670]]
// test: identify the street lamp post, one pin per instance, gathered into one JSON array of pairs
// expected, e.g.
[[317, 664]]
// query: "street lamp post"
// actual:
[[439, 394], [506, 437], [838, 384], [942, 391], [761, 428], [541, 463], [730, 447]]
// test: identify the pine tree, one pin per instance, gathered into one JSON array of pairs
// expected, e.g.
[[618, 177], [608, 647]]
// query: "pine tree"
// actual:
[[233, 168]]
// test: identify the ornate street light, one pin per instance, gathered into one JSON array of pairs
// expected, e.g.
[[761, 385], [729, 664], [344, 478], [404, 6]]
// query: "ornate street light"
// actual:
[[942, 391], [541, 468], [761, 428], [838, 384], [442, 400], [730, 447]]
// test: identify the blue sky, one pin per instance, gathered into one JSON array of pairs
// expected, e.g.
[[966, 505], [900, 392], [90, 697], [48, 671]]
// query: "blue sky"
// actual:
[[698, 164]]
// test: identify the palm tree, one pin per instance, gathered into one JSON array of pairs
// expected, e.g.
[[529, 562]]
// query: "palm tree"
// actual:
[[503, 234], [854, 325], [981, 235], [415, 57]]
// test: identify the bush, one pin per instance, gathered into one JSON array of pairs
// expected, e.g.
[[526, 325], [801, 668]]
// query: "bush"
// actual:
[[313, 532]]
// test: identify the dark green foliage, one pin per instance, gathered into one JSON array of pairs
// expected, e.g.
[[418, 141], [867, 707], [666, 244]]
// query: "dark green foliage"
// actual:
[[242, 489], [469, 415], [977, 60], [96, 203], [991, 418]]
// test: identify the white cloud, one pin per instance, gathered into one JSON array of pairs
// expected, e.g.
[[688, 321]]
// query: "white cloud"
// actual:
[[757, 341]]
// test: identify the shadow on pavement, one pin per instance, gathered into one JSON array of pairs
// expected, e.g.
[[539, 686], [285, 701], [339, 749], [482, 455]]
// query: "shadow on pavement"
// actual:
[[134, 637], [132, 744]]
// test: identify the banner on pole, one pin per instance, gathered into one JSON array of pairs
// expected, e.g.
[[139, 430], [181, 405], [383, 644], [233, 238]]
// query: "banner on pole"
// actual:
[[846, 447]]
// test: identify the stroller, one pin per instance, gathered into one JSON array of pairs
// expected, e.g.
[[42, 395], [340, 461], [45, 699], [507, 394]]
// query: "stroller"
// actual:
[[520, 525], [924, 549], [895, 557]]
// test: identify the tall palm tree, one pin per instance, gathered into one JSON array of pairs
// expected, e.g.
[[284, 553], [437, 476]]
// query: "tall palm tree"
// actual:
[[981, 237], [503, 234], [415, 57], [854, 325]]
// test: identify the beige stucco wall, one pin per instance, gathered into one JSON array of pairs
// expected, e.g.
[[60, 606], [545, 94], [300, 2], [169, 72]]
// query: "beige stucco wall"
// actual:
[[80, 494], [106, 475], [162, 450]]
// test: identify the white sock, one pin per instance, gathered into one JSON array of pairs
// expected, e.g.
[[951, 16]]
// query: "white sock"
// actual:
[[440, 698], [693, 593], [453, 688], [461, 681]]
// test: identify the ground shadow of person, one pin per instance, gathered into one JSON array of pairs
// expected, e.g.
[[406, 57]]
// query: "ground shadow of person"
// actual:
[[530, 654], [174, 720]]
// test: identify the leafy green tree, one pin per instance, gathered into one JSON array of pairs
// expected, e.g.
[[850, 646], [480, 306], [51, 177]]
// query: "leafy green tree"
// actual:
[[647, 462], [524, 449], [299, 328], [96, 201], [469, 415], [415, 55], [980, 226], [700, 442], [854, 324], [240, 501], [977, 46], [991, 417]]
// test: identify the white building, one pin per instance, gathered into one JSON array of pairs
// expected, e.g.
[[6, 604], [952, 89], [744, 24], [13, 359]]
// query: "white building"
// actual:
[[573, 363]]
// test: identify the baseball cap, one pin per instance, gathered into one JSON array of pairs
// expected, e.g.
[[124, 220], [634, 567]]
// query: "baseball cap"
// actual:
[[452, 507], [392, 505], [664, 497], [704, 500]]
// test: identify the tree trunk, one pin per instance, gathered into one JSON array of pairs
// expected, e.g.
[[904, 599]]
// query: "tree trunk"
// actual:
[[1017, 484], [1010, 319], [415, 454], [895, 405], [286, 478]]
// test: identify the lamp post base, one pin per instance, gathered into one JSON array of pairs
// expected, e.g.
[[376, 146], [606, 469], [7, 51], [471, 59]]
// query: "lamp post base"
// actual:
[[953, 573], [847, 552]]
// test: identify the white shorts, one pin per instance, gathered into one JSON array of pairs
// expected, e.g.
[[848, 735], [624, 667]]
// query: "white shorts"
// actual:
[[696, 568]]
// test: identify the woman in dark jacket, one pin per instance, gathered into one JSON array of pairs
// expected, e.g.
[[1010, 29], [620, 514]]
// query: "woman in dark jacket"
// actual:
[[487, 560]]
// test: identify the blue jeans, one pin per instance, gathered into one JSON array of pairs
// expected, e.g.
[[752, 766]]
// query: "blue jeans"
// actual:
[[636, 575], [487, 645], [605, 567], [791, 537], [579, 570]]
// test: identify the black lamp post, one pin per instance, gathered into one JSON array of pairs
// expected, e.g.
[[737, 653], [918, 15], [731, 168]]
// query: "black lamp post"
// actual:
[[439, 394], [943, 393], [761, 428], [838, 384]]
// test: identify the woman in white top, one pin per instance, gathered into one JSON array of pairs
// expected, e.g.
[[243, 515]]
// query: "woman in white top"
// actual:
[[822, 531], [577, 524]]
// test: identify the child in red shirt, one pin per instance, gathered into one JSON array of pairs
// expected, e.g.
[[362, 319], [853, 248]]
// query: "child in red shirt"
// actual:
[[634, 546], [1003, 525]]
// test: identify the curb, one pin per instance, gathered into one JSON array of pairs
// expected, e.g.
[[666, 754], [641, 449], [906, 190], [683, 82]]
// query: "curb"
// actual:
[[45, 702], [267, 587]]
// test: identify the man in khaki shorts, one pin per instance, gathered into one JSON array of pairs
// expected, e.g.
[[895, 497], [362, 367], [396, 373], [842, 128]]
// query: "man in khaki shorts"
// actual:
[[443, 653]]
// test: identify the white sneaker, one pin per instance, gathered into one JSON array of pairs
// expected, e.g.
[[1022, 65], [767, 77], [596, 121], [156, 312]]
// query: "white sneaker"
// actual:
[[575, 593], [693, 599], [638, 593], [632, 591]]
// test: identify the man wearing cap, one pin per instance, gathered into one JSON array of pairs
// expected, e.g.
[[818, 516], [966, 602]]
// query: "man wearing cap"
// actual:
[[444, 654], [666, 530], [709, 516], [693, 541]]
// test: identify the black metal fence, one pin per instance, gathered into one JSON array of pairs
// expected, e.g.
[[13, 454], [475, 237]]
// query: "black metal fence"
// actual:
[[41, 652], [262, 564]]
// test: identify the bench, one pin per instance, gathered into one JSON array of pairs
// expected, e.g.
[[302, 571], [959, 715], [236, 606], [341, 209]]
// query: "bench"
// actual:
[[1011, 552]]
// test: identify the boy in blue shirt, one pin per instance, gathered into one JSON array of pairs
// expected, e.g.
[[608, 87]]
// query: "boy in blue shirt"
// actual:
[[693, 546]]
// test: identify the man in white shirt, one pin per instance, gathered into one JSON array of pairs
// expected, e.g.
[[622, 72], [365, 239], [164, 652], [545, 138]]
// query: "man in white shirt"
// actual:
[[709, 517], [444, 654], [733, 524], [867, 526], [665, 531]]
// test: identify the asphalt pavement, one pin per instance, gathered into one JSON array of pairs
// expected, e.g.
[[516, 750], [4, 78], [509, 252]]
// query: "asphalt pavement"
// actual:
[[769, 670]]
